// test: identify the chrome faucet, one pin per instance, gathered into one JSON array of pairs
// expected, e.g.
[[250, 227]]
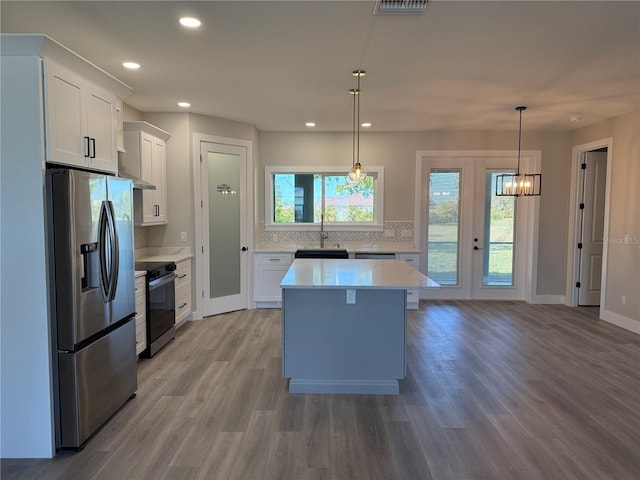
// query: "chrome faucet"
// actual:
[[323, 235]]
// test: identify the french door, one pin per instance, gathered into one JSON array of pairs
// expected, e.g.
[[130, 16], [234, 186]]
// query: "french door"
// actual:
[[472, 239], [223, 212]]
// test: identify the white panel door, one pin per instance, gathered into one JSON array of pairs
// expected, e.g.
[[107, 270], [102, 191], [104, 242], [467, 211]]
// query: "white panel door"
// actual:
[[594, 181], [224, 213]]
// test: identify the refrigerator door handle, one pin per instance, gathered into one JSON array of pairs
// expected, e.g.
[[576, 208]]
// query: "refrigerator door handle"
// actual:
[[115, 249], [102, 247]]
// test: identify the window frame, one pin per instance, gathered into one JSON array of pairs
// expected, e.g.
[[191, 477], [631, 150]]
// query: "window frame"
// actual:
[[378, 201]]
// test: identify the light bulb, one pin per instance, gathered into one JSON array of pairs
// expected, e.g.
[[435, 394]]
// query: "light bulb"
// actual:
[[357, 173]]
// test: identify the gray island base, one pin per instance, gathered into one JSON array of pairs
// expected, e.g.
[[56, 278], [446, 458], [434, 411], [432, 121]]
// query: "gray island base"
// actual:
[[344, 325]]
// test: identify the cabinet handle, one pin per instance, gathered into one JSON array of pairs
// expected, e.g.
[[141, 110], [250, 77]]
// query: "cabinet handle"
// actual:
[[93, 153], [274, 259], [182, 276], [87, 148], [183, 305]]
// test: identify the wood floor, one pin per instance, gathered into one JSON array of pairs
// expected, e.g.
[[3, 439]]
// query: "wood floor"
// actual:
[[495, 390]]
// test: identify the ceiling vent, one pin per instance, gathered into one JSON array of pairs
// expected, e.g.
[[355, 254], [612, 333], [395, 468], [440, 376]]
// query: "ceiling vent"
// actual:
[[401, 6]]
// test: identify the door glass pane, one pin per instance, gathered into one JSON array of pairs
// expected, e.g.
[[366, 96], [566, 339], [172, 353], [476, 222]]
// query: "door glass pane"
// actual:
[[499, 234], [224, 224], [443, 234]]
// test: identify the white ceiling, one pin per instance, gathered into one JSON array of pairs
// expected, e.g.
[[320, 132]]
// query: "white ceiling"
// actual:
[[278, 64]]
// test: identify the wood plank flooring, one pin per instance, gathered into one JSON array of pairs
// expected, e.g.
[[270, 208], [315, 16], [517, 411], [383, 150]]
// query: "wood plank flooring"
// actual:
[[495, 390]]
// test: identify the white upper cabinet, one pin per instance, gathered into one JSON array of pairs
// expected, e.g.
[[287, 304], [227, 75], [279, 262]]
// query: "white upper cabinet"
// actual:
[[80, 121], [145, 159]]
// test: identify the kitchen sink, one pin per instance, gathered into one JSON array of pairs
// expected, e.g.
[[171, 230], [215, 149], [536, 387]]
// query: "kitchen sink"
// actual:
[[321, 253]]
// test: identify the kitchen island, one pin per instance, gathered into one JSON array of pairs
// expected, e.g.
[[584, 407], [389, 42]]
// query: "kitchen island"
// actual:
[[344, 324]]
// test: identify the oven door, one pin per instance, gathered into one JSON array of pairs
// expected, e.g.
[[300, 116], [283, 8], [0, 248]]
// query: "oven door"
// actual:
[[161, 311]]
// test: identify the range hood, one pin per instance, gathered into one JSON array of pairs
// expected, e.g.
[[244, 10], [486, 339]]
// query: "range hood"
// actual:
[[138, 183]]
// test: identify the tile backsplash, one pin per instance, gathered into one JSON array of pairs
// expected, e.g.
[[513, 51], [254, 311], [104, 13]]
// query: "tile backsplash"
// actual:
[[401, 232]]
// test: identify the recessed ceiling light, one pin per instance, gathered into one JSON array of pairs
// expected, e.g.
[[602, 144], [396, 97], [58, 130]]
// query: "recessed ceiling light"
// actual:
[[575, 118], [190, 22], [365, 124], [131, 65], [310, 124], [184, 104]]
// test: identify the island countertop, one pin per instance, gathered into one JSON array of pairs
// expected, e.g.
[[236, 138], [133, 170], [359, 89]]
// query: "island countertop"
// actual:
[[333, 273]]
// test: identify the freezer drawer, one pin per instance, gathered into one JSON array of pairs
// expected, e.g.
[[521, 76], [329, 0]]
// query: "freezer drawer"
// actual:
[[95, 382]]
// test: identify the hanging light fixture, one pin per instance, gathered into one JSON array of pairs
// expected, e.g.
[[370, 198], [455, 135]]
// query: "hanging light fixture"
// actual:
[[518, 184], [357, 173]]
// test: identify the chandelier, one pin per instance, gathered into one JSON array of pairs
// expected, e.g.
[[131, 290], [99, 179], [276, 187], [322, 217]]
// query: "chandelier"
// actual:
[[518, 184]]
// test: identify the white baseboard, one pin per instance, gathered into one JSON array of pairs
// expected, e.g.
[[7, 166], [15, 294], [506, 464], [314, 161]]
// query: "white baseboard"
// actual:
[[620, 321], [549, 299]]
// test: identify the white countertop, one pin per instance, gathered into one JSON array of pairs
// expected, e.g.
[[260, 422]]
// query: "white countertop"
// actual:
[[165, 258], [140, 273], [330, 273], [163, 254], [353, 247]]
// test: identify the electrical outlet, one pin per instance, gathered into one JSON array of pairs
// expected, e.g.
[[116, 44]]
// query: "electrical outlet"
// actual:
[[351, 296], [183, 236], [406, 233], [623, 300], [389, 233]]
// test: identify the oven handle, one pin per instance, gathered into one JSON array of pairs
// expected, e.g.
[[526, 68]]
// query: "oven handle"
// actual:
[[158, 282]]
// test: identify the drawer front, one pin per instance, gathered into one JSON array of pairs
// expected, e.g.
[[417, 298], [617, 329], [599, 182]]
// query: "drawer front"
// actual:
[[183, 308], [141, 338], [140, 286], [183, 272], [141, 319], [183, 297], [411, 259], [284, 259]]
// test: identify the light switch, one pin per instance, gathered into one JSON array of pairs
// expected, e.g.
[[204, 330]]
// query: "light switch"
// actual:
[[183, 236]]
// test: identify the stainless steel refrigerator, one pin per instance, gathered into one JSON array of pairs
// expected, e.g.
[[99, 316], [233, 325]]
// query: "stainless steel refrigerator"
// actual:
[[90, 222]]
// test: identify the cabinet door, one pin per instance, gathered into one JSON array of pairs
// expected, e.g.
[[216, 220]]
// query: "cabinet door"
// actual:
[[118, 125], [146, 174], [269, 270], [100, 129], [159, 180], [67, 142]]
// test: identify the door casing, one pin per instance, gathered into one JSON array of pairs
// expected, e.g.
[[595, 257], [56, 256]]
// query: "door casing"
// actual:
[[573, 257]]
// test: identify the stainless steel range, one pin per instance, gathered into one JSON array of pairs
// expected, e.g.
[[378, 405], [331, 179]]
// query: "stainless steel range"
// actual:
[[161, 306]]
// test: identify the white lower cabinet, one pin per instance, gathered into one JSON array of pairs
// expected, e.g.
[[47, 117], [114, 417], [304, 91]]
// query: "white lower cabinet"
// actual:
[[141, 314], [268, 271], [413, 296], [183, 291]]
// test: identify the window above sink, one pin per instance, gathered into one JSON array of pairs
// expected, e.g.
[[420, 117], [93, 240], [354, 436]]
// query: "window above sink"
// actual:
[[301, 198]]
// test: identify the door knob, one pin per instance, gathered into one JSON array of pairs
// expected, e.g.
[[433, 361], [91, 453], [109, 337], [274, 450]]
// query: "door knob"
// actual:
[[475, 248], [244, 249], [475, 239]]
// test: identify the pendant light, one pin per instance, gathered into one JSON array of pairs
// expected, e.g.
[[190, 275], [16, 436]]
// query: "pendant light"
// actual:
[[519, 184], [357, 173]]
